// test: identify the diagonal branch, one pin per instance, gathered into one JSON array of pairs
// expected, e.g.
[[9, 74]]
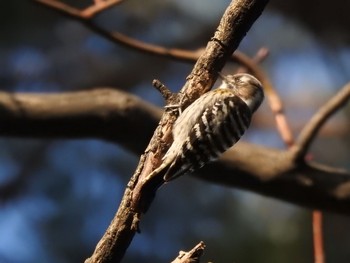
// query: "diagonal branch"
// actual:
[[87, 13], [311, 129]]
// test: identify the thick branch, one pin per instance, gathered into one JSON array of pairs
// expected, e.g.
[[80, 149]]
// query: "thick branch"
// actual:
[[103, 113], [274, 173], [118, 116]]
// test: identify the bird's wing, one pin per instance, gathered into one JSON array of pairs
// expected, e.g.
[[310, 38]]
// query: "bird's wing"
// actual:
[[208, 127]]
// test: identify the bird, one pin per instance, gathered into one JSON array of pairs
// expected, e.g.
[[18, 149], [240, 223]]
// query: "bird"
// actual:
[[211, 124]]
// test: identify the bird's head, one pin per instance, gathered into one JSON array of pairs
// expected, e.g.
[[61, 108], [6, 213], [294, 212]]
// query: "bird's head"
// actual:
[[245, 86]]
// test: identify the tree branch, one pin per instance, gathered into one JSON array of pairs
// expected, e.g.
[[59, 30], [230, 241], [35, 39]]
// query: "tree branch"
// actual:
[[86, 13], [311, 129], [119, 117], [103, 113], [274, 173], [192, 256]]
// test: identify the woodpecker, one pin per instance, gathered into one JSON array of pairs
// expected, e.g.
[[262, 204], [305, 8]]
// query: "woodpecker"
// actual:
[[211, 124]]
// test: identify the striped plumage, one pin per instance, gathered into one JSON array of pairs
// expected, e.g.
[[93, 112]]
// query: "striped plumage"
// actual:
[[211, 125]]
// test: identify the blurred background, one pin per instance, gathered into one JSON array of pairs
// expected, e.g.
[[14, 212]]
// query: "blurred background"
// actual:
[[58, 196]]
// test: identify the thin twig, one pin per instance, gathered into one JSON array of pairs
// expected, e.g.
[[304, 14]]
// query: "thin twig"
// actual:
[[259, 57], [317, 229], [164, 90], [274, 100], [86, 13], [98, 7], [61, 7], [309, 132], [318, 236]]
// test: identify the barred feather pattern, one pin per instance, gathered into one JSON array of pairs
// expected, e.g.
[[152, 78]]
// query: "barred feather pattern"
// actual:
[[210, 125]]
